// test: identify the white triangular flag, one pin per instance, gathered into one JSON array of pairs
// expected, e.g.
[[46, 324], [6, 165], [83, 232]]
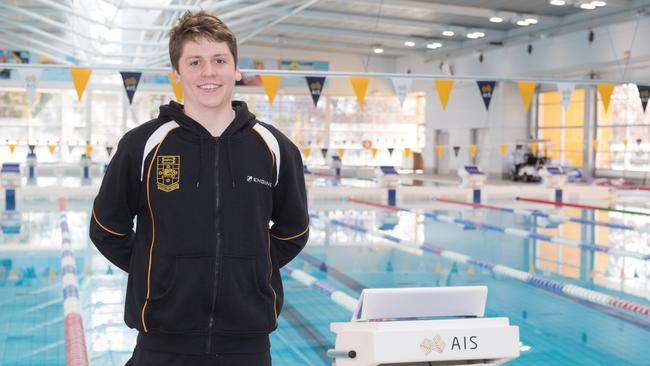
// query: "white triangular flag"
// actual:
[[30, 76], [566, 90], [402, 87]]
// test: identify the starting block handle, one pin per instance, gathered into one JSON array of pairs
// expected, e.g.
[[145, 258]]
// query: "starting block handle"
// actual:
[[334, 353]]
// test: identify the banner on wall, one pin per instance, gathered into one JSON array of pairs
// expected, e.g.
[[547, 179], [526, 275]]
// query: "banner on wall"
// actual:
[[566, 91], [30, 77], [527, 90], [605, 91], [274, 64], [644, 94], [402, 87], [176, 87], [130, 81], [486, 88], [360, 86], [271, 84], [80, 79], [444, 90], [315, 84], [12, 57]]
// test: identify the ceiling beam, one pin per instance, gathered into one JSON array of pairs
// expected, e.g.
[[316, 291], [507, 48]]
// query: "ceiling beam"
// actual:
[[347, 47], [297, 10]]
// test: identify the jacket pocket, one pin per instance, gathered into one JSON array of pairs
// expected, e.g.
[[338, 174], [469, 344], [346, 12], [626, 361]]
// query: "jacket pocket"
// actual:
[[184, 306], [243, 306]]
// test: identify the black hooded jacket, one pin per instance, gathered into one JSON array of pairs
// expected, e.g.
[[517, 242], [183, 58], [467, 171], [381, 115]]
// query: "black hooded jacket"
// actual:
[[203, 262]]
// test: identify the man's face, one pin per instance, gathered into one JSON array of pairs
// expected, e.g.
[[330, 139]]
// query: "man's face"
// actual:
[[207, 73]]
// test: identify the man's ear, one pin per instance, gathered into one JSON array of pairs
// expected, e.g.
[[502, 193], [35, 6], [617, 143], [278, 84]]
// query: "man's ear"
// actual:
[[176, 76], [237, 73]]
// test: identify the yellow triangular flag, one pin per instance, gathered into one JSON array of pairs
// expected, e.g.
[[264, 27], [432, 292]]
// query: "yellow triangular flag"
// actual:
[[360, 86], [271, 85], [176, 87], [374, 151], [533, 148], [605, 91], [80, 79], [12, 147], [89, 149], [440, 149], [471, 270], [444, 89], [527, 90], [307, 152], [504, 149], [624, 144], [407, 152], [341, 152], [51, 147], [595, 143], [472, 150]]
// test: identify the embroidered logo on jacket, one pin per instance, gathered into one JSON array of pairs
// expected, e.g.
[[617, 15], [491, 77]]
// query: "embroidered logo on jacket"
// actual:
[[251, 179], [168, 172]]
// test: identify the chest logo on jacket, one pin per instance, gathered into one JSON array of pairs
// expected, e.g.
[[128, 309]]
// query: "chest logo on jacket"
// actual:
[[168, 172]]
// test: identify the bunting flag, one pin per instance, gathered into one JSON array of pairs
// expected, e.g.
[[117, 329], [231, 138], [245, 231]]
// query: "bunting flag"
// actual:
[[30, 77], [109, 150], [444, 90], [323, 151], [518, 147], [341, 153], [12, 147], [456, 150], [644, 94], [360, 86], [625, 143], [605, 91], [176, 87], [486, 88], [306, 151], [407, 152], [31, 148], [472, 150], [566, 90], [527, 90], [402, 87], [533, 148], [315, 84], [390, 151], [440, 150], [80, 79], [89, 149], [595, 143], [131, 81], [504, 149], [51, 147], [374, 152], [271, 85]]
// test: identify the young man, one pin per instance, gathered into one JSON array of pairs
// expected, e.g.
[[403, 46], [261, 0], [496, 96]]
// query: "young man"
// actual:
[[204, 180]]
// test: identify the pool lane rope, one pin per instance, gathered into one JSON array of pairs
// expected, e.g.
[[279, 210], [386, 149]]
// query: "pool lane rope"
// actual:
[[512, 231], [76, 353], [552, 217], [574, 291], [585, 207], [338, 297]]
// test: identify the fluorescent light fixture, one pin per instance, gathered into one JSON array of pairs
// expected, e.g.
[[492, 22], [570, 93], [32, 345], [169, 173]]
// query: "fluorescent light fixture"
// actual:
[[557, 2], [598, 3], [475, 35], [531, 20], [409, 43], [587, 6], [448, 33], [479, 34], [522, 23], [496, 19], [378, 50], [434, 45]]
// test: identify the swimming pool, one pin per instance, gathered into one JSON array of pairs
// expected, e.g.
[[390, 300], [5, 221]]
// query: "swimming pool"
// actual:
[[554, 328]]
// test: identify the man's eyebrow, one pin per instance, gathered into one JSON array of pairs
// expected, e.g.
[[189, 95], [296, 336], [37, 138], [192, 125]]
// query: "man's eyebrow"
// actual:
[[200, 56]]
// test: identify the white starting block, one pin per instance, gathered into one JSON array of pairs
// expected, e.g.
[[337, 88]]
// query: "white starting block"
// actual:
[[554, 177], [473, 178], [438, 326]]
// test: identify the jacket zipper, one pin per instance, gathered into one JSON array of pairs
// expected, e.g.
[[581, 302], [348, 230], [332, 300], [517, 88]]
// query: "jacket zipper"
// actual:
[[215, 278]]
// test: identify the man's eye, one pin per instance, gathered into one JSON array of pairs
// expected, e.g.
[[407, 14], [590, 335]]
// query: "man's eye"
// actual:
[[194, 63]]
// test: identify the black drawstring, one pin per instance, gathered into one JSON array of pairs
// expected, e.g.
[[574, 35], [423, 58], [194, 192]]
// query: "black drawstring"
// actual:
[[232, 174]]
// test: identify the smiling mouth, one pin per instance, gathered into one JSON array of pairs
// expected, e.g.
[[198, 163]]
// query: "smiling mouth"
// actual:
[[209, 86]]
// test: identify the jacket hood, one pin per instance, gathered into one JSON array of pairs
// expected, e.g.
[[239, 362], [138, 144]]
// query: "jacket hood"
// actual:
[[175, 111]]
